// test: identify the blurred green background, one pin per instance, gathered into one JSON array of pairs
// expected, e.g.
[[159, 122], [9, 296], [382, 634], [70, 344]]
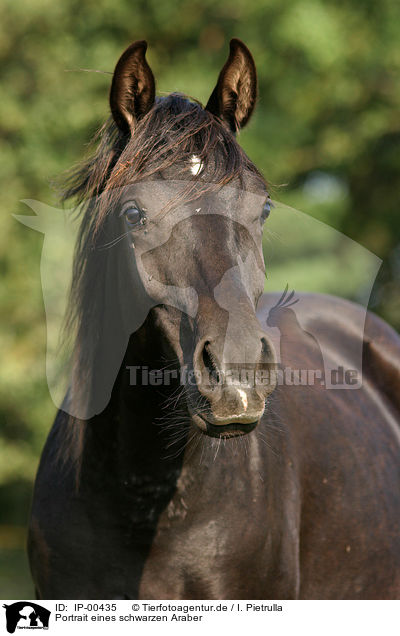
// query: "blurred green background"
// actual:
[[327, 126]]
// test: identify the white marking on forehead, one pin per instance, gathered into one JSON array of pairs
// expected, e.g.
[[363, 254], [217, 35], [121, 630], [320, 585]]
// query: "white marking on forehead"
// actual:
[[195, 164], [243, 397]]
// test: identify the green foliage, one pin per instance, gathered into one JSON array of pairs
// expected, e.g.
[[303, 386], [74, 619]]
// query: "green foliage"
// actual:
[[329, 102]]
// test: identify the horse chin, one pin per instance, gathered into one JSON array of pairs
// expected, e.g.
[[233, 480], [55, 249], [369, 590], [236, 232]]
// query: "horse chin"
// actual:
[[232, 429]]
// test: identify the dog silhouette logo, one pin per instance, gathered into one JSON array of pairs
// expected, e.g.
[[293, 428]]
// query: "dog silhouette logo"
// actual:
[[26, 615]]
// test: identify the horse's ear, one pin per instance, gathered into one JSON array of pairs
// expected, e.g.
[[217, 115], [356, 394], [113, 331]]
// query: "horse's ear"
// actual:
[[132, 91], [235, 94]]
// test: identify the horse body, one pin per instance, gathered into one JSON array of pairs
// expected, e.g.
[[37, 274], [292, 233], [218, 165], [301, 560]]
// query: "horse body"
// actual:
[[303, 505]]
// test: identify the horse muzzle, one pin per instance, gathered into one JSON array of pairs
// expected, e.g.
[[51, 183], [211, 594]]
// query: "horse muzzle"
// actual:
[[225, 430], [231, 396]]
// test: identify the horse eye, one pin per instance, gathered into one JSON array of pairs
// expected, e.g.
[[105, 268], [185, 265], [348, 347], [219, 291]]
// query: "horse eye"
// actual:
[[266, 210], [134, 216]]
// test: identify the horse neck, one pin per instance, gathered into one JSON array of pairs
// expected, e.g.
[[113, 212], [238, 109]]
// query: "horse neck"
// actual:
[[141, 415], [126, 457]]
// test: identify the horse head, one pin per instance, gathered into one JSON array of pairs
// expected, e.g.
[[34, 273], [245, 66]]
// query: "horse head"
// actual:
[[180, 224]]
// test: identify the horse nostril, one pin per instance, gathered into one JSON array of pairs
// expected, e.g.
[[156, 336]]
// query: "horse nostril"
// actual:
[[210, 365]]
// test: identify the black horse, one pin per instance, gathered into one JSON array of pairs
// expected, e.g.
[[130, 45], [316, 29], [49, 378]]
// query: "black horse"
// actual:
[[203, 488]]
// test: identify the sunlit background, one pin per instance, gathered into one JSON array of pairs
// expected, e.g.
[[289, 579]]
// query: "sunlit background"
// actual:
[[326, 135]]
